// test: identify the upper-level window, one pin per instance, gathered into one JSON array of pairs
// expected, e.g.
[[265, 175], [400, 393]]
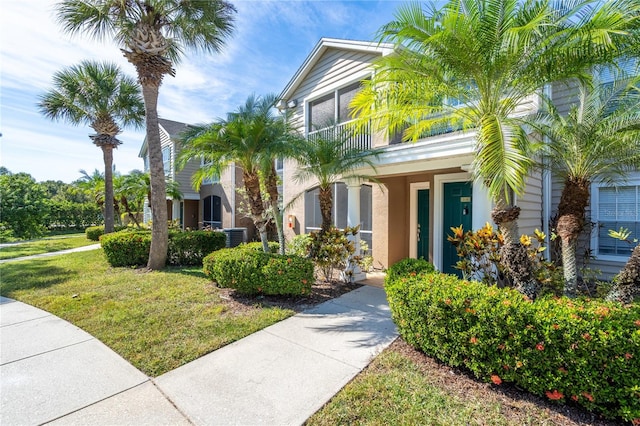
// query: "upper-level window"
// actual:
[[332, 108], [616, 207], [166, 160], [210, 180]]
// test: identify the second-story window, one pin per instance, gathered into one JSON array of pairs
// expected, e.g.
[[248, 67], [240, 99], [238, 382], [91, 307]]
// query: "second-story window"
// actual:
[[332, 108], [166, 160]]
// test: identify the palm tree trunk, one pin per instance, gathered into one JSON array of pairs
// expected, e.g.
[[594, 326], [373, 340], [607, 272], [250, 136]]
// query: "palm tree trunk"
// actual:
[[256, 205], [158, 201], [107, 155], [573, 202], [627, 282], [513, 254], [326, 204], [272, 189]]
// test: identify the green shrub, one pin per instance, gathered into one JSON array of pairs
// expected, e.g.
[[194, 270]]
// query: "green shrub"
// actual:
[[257, 246], [408, 267], [299, 245], [567, 350], [333, 250], [93, 233], [190, 247], [126, 248], [255, 272], [130, 247]]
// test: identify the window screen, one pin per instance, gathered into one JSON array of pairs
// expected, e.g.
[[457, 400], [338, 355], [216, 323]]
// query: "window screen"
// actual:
[[322, 112], [618, 207], [344, 99]]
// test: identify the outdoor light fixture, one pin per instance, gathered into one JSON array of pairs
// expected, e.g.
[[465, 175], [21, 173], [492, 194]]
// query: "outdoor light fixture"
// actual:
[[281, 105], [292, 103]]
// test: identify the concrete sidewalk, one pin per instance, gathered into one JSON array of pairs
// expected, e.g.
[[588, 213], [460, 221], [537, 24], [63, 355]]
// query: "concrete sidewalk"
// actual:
[[53, 253], [281, 375]]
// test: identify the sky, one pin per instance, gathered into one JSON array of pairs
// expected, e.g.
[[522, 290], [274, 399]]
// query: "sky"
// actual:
[[270, 41]]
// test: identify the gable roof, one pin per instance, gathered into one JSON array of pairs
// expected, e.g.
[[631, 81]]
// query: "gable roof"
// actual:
[[170, 127], [325, 44]]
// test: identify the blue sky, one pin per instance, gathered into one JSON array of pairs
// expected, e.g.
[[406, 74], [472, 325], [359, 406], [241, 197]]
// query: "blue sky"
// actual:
[[271, 40]]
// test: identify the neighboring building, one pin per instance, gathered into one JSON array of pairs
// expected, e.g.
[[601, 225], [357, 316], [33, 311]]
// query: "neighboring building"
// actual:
[[215, 205]]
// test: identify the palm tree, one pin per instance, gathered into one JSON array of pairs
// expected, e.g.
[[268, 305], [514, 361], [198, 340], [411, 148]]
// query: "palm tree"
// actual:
[[100, 95], [599, 139], [152, 34], [470, 65], [328, 158], [248, 137]]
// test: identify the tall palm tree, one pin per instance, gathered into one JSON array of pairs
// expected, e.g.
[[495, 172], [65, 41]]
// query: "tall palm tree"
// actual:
[[599, 139], [247, 137], [471, 65], [152, 34], [100, 95], [328, 158]]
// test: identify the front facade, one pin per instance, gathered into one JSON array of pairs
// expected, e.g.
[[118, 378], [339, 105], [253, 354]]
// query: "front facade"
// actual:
[[215, 205], [424, 188]]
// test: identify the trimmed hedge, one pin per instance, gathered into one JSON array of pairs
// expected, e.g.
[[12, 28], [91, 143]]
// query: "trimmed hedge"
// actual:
[[251, 272], [94, 233], [257, 246], [587, 352], [126, 248], [190, 247], [408, 266], [131, 247]]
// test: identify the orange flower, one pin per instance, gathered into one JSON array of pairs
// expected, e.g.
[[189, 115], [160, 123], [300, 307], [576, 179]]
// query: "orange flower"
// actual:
[[635, 422], [506, 367], [637, 322], [304, 281], [447, 301], [555, 326], [473, 340], [586, 336], [506, 302], [496, 379], [501, 346], [555, 395], [540, 346], [628, 355], [562, 370], [574, 397], [588, 396]]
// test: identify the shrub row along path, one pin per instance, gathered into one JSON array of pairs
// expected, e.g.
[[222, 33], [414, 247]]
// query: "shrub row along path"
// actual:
[[51, 371]]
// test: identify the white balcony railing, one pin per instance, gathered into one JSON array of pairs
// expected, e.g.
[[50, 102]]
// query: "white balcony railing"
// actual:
[[358, 140]]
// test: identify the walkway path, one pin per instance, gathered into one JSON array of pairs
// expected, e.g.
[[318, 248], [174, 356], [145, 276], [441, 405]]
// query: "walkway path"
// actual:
[[51, 371], [53, 253]]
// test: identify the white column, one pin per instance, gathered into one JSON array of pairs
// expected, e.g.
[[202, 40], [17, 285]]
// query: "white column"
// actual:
[[353, 219], [175, 210]]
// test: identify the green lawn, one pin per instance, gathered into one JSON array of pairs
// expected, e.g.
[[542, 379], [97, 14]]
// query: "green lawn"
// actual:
[[156, 320], [394, 390], [45, 245]]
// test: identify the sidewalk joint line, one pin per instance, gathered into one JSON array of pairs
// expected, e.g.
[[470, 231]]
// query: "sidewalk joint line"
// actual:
[[173, 404], [46, 314], [51, 350]]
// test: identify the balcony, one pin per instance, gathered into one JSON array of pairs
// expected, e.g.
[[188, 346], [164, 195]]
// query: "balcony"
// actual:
[[343, 131]]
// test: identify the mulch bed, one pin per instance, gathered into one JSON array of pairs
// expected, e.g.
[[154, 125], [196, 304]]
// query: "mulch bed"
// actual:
[[518, 406], [321, 291]]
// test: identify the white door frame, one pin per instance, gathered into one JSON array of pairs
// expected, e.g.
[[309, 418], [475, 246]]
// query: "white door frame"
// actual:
[[413, 216]]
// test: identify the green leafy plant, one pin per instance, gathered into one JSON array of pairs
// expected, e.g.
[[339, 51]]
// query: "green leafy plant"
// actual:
[[408, 267], [94, 233], [299, 245], [584, 351], [479, 253], [254, 272], [257, 246], [332, 251], [130, 247]]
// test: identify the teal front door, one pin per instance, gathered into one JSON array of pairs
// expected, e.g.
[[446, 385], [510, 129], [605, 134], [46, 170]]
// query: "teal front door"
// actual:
[[456, 212], [423, 224]]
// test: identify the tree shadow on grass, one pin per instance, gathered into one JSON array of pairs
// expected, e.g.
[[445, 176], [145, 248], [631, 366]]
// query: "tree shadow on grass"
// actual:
[[30, 275]]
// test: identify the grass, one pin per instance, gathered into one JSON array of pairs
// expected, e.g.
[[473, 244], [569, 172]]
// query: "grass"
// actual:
[[396, 390], [156, 320], [45, 245]]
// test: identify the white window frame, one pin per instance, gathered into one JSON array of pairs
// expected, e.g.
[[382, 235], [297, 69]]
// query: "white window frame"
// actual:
[[168, 171], [633, 180], [212, 180], [336, 97]]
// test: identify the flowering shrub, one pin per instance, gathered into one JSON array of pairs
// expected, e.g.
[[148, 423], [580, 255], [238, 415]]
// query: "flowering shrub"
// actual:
[[587, 351], [252, 272]]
